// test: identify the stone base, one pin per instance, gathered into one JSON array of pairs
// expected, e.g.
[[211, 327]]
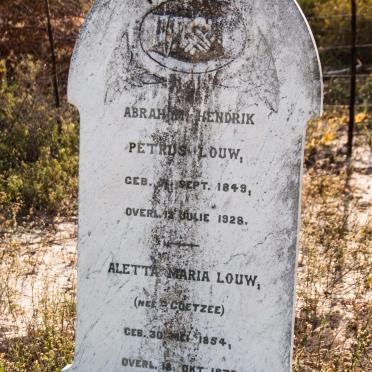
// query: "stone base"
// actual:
[[67, 368]]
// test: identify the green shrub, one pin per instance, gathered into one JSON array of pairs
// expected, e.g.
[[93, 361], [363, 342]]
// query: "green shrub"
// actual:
[[38, 145], [330, 21], [337, 91]]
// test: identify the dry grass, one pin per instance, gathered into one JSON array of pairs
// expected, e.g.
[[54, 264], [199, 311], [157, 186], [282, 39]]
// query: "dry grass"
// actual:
[[37, 286], [333, 323], [333, 329]]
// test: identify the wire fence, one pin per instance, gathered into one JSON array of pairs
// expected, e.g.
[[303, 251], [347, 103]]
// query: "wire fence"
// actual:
[[341, 15], [351, 77]]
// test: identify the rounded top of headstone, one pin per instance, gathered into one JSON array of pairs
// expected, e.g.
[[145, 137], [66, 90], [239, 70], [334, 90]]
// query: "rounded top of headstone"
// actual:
[[261, 49]]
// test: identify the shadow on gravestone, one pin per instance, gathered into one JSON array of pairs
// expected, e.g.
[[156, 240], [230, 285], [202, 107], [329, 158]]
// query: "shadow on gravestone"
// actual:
[[192, 127]]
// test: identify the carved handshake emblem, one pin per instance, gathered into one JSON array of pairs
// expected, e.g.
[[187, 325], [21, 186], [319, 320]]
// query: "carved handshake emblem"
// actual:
[[198, 36]]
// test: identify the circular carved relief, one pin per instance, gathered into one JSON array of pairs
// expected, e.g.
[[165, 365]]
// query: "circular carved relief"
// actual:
[[193, 36]]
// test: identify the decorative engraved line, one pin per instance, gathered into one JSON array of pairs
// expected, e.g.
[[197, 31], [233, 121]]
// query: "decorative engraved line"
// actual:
[[181, 244]]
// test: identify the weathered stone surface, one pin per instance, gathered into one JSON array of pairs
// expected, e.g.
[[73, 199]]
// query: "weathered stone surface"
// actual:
[[192, 126]]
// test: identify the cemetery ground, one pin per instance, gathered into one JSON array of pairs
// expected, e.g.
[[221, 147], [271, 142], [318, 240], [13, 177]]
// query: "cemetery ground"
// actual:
[[333, 312]]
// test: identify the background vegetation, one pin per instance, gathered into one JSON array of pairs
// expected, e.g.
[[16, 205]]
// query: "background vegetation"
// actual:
[[39, 178]]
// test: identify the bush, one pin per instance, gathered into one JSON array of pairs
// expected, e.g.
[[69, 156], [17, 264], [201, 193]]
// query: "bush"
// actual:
[[48, 344], [38, 145], [330, 21], [337, 91]]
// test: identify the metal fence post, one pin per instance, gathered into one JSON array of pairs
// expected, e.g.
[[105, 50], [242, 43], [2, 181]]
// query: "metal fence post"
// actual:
[[352, 79]]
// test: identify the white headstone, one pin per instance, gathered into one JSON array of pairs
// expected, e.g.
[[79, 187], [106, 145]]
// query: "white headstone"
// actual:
[[192, 127]]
